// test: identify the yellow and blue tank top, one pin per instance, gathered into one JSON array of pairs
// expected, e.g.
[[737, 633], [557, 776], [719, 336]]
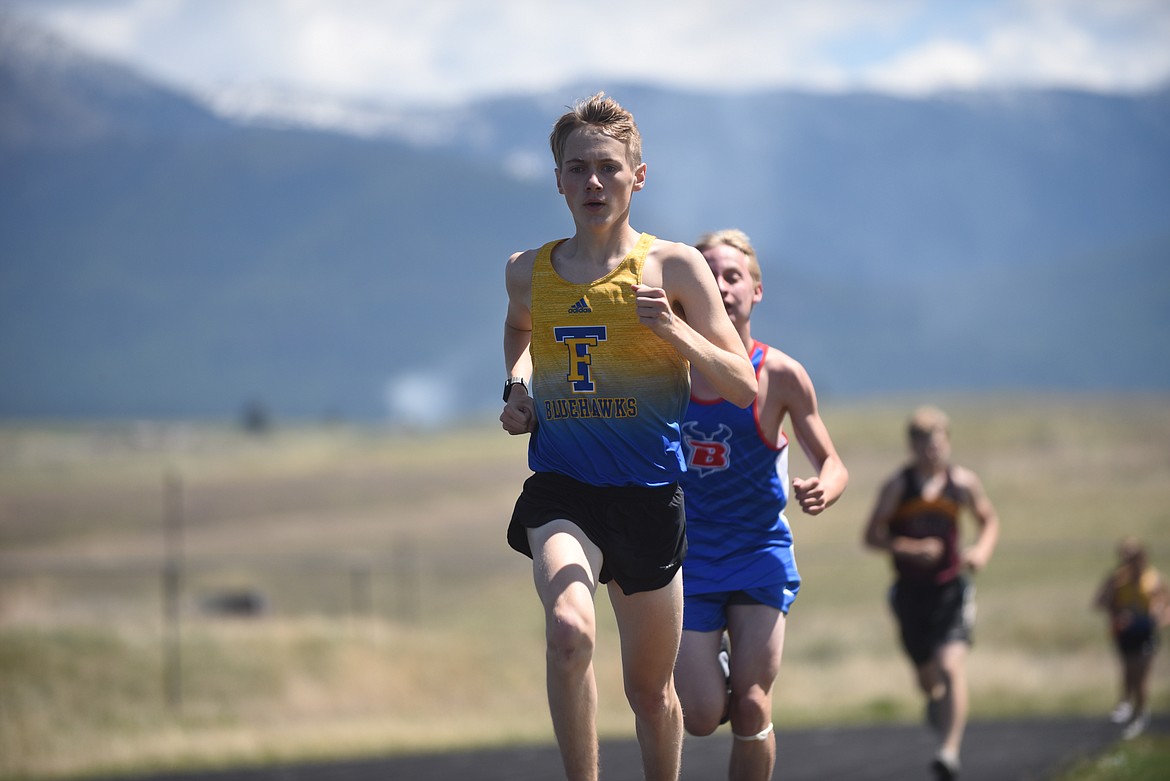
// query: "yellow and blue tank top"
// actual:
[[736, 489], [609, 393], [1134, 594]]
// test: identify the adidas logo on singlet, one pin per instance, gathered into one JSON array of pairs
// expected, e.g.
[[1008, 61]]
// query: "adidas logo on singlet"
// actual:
[[580, 308]]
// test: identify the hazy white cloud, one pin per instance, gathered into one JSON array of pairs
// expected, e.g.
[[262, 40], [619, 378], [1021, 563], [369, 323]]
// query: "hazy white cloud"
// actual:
[[444, 50], [422, 399], [1065, 43]]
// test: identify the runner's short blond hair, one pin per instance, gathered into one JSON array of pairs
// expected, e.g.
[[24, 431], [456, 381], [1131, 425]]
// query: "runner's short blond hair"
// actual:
[[736, 239], [603, 113], [926, 420]]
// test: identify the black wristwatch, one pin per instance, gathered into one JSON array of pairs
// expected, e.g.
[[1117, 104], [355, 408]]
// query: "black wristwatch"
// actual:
[[508, 383]]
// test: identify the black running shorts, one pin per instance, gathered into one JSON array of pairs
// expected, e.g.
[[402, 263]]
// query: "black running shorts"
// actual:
[[1140, 638], [641, 531], [932, 615]]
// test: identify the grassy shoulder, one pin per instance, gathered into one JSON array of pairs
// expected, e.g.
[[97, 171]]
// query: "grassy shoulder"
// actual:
[[396, 619], [1142, 759]]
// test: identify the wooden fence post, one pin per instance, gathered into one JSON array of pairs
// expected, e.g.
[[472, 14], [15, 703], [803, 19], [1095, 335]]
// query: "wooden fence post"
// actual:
[[172, 588]]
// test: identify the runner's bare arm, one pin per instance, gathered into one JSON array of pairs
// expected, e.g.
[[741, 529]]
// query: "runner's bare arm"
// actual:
[[986, 519], [702, 332], [518, 416], [788, 378]]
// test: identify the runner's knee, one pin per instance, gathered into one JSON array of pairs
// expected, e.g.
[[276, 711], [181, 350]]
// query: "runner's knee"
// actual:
[[650, 702], [703, 696], [702, 721], [570, 637], [751, 711]]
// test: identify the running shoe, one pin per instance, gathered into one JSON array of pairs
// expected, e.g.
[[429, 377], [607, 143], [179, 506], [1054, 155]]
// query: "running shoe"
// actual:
[[945, 766], [1136, 727], [1122, 714]]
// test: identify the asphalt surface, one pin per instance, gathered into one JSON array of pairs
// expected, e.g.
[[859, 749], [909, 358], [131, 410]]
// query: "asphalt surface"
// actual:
[[1026, 750]]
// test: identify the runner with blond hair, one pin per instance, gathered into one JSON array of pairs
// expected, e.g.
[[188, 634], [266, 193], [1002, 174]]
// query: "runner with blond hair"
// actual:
[[600, 332], [916, 521], [740, 575]]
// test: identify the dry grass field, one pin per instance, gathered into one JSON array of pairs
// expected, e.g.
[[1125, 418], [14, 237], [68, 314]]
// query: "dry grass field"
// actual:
[[393, 617]]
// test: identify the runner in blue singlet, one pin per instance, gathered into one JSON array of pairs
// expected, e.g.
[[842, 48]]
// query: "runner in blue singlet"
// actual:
[[740, 576]]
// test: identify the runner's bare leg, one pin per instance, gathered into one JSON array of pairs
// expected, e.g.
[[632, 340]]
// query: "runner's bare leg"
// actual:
[[650, 625], [565, 567]]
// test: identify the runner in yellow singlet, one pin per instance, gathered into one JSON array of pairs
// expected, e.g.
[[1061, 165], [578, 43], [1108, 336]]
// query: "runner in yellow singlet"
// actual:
[[600, 331], [1136, 602]]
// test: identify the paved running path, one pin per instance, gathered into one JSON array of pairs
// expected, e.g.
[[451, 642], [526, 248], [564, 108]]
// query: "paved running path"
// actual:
[[992, 751]]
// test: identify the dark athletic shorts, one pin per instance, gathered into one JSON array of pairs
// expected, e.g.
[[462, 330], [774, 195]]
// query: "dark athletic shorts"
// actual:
[[930, 616], [1140, 638], [641, 531]]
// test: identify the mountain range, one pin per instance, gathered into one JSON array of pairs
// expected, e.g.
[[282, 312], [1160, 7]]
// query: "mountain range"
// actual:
[[159, 259]]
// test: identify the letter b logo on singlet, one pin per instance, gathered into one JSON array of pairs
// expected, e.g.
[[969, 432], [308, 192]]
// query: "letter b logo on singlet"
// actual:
[[580, 339], [707, 453]]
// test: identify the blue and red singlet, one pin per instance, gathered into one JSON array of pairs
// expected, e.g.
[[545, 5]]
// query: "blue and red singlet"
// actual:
[[736, 489]]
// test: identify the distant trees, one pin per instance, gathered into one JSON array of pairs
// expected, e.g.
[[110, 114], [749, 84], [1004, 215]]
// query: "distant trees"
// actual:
[[255, 417]]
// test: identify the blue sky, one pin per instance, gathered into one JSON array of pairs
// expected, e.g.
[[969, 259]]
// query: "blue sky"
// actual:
[[446, 50]]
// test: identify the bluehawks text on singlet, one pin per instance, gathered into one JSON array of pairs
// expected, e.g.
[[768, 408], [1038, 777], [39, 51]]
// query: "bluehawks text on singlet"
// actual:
[[561, 409]]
